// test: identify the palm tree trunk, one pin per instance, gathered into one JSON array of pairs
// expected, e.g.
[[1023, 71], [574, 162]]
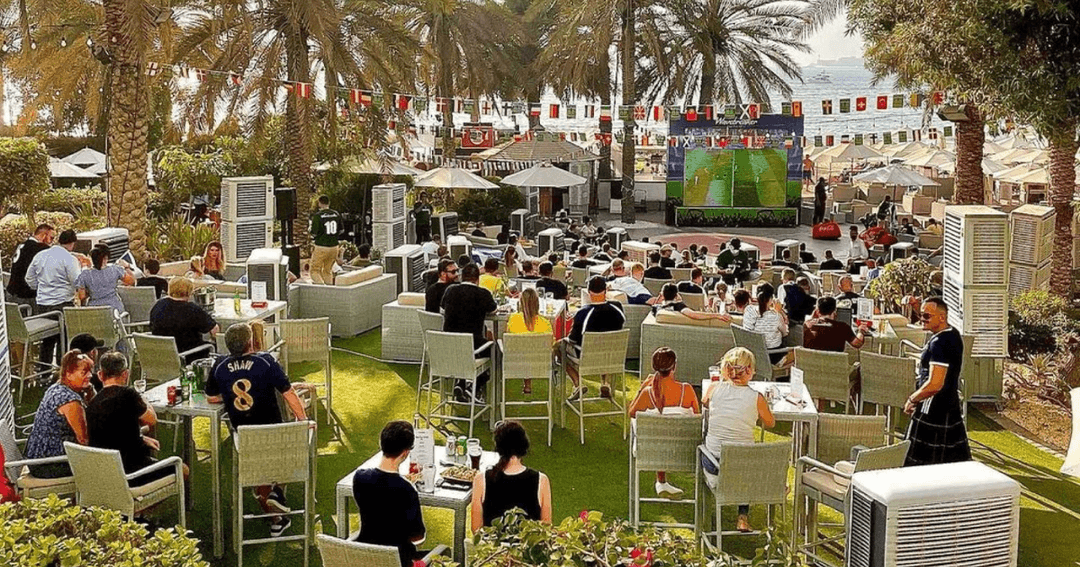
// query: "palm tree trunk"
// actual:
[[708, 79], [298, 134], [330, 79], [128, 125], [1062, 186], [970, 138], [628, 98]]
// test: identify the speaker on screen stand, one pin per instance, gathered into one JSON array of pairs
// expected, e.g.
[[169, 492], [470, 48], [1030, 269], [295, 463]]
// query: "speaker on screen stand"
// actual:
[[285, 212]]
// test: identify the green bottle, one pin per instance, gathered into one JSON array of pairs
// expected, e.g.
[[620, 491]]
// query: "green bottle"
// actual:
[[236, 302]]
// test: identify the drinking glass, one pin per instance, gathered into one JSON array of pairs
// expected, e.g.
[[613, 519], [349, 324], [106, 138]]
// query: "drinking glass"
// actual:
[[714, 373], [140, 386], [474, 452]]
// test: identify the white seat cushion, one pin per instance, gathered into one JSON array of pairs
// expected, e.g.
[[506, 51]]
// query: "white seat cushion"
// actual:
[[151, 487], [28, 482], [42, 327], [824, 483], [354, 277]]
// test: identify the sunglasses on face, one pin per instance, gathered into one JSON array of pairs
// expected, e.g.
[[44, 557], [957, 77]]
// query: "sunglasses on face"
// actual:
[[926, 316]]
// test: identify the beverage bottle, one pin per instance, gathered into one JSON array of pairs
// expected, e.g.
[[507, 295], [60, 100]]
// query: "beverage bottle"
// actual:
[[236, 302]]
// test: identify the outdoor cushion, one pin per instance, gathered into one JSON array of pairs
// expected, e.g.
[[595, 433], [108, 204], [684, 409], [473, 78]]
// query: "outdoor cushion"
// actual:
[[669, 317], [28, 482], [411, 298], [825, 483], [611, 295], [151, 487], [354, 277], [35, 326]]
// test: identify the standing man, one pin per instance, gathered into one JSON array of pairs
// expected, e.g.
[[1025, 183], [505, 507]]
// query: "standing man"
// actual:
[[53, 273], [820, 197], [325, 225], [247, 383], [465, 306], [937, 431], [17, 289], [422, 217], [807, 171], [857, 251]]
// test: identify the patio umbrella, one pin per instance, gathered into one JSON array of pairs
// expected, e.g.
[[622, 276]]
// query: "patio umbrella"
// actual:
[[852, 152], [1037, 175], [89, 159], [453, 178], [933, 158], [355, 164], [910, 149], [896, 175], [1013, 174], [63, 170], [991, 147], [989, 167], [544, 175]]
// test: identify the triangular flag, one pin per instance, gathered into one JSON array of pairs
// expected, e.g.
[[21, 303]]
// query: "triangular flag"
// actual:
[[883, 102]]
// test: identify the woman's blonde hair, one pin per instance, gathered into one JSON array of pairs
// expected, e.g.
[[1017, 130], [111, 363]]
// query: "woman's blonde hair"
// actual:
[[196, 264], [220, 263], [72, 360], [529, 306], [737, 358], [181, 288]]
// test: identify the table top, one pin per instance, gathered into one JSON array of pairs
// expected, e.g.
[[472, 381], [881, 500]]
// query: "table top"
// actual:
[[441, 496], [506, 309], [158, 396], [223, 310], [782, 408]]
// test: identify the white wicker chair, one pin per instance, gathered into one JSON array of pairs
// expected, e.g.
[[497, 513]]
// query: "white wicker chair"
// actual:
[[695, 301], [886, 381], [680, 274], [527, 356], [27, 330], [764, 369], [428, 322], [282, 453], [602, 354], [342, 553], [308, 340], [16, 471], [100, 322], [451, 357], [138, 301], [750, 473], [580, 277], [663, 443], [100, 481], [826, 374], [654, 285]]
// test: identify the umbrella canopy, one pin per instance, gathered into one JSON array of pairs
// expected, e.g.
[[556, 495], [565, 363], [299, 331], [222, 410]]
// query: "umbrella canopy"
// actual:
[[85, 157], [989, 167], [910, 149], [64, 170], [1037, 175], [1013, 174], [356, 164], [896, 175], [544, 175], [991, 147], [453, 178], [1012, 142], [852, 151], [933, 158]]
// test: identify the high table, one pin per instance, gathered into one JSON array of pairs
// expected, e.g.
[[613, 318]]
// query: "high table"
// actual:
[[225, 313], [457, 500], [197, 406], [782, 409]]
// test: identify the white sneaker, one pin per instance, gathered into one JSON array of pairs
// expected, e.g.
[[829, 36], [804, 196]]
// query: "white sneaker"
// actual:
[[667, 490]]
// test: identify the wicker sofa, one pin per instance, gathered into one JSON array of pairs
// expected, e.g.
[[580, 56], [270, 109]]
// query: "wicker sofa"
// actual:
[[698, 344], [401, 338], [353, 303]]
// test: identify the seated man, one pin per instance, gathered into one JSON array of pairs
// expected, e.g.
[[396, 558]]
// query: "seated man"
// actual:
[[933, 227], [804, 256], [847, 289], [431, 247], [906, 227], [465, 306], [787, 276], [389, 505], [160, 284], [248, 382], [797, 300], [636, 292], [605, 254], [582, 260], [740, 301], [830, 263], [672, 301], [176, 316], [878, 234], [363, 257], [479, 231], [528, 271], [666, 261], [824, 332], [490, 279], [599, 316], [785, 260], [656, 271], [448, 275], [115, 416], [696, 284], [550, 284], [874, 270]]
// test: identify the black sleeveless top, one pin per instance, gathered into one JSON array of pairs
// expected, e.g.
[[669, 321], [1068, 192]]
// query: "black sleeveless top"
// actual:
[[504, 492]]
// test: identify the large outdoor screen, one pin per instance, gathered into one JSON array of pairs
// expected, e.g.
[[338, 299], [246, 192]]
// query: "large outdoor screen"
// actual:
[[736, 178]]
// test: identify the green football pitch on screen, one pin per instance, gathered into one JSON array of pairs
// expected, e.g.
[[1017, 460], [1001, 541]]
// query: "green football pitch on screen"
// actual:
[[735, 178]]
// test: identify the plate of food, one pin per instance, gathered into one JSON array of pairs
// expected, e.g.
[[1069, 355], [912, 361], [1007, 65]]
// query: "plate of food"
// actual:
[[458, 474]]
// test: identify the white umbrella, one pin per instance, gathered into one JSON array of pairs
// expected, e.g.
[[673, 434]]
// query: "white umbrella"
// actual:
[[852, 151], [354, 164], [85, 157], [989, 167], [896, 175], [910, 149], [453, 178], [544, 175], [1013, 174], [934, 158], [63, 170], [990, 147], [1037, 175], [1013, 142]]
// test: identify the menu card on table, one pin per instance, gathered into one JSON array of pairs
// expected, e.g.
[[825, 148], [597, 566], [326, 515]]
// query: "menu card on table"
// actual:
[[423, 454], [258, 294], [864, 309], [796, 383]]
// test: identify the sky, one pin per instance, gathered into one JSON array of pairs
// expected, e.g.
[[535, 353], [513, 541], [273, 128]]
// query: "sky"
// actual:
[[831, 43]]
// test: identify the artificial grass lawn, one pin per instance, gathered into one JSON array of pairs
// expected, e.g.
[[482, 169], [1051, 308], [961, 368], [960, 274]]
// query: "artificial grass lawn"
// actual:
[[593, 476]]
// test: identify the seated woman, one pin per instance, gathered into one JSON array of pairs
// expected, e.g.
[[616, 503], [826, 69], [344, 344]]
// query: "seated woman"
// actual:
[[196, 270], [510, 484], [214, 261], [672, 301], [662, 394], [97, 286], [528, 320], [767, 318], [61, 416], [176, 316], [734, 409], [719, 304], [687, 260]]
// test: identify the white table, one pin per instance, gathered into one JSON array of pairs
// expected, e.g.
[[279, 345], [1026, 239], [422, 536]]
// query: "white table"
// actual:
[[197, 406], [453, 499], [783, 409], [225, 313]]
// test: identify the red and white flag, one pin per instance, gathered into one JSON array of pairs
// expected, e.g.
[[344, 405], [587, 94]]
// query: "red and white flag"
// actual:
[[403, 102], [362, 98], [639, 112], [534, 110], [590, 111], [301, 90], [657, 113], [236, 79]]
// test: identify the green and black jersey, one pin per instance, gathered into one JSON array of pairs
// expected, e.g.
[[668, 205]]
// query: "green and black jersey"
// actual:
[[325, 226], [422, 214]]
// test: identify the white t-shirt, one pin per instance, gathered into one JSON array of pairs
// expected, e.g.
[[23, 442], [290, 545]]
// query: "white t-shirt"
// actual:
[[767, 324], [732, 415], [857, 249]]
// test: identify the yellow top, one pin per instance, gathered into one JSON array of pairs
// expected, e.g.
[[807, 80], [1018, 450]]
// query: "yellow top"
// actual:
[[516, 324], [491, 283]]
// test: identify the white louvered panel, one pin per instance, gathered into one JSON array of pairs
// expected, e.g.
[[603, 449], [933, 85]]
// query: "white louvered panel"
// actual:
[[859, 534], [247, 198], [387, 202], [7, 404], [1032, 234], [239, 239], [975, 533], [639, 251], [388, 235], [1027, 278], [976, 245]]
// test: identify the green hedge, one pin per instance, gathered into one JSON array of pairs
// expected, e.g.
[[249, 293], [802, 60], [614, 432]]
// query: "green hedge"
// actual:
[[15, 229]]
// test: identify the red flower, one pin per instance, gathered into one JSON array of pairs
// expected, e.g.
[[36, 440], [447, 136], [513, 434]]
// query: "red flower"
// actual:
[[635, 553], [584, 515], [418, 563]]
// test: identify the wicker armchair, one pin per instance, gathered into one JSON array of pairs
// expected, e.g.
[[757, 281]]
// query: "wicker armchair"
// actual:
[[159, 360], [580, 277], [602, 354], [451, 357], [100, 481], [764, 369], [428, 322], [16, 471], [697, 347], [352, 309], [695, 301], [27, 330], [400, 329], [654, 285], [750, 473], [886, 381], [826, 374], [635, 316], [343, 553], [101, 322], [282, 453], [308, 340], [138, 301], [663, 443], [527, 356]]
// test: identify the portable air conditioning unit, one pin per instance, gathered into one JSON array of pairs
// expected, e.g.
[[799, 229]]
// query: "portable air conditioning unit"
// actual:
[[550, 240], [976, 245], [387, 202], [616, 237], [269, 265], [7, 406], [520, 219], [639, 251], [982, 313], [240, 238], [444, 224], [952, 514], [792, 246], [388, 235], [408, 263], [458, 246], [247, 198], [902, 250], [1028, 278], [115, 238], [1032, 234]]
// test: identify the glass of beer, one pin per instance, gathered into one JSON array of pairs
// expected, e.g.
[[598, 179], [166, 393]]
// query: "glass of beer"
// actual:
[[474, 453], [714, 373]]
